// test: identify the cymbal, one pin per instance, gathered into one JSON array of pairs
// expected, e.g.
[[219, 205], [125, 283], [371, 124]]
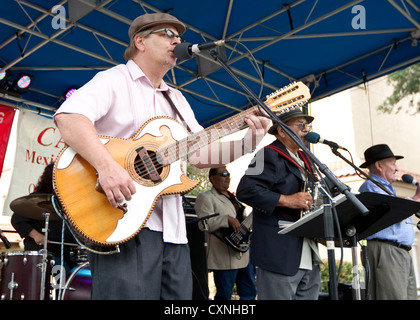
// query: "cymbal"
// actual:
[[34, 206]]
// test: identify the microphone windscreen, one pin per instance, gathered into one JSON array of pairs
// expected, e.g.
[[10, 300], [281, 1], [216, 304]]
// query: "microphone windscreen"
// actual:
[[312, 137], [407, 178], [182, 51]]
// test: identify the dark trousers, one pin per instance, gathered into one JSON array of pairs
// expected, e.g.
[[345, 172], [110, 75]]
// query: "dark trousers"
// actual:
[[145, 269], [304, 285], [244, 279]]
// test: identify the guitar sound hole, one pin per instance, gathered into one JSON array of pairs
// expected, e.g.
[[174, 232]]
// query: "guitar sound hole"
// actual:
[[142, 171]]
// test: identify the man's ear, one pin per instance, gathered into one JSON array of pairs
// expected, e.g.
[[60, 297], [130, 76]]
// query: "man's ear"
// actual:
[[378, 166], [139, 42], [281, 132]]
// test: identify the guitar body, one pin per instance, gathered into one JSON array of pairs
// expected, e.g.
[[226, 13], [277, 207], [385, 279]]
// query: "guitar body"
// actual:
[[88, 209], [237, 240]]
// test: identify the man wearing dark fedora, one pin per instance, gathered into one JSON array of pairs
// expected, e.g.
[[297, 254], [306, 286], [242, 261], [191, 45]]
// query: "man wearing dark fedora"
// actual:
[[287, 265], [155, 262], [391, 267]]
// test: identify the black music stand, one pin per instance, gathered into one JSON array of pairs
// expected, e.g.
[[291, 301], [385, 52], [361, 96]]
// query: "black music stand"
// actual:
[[384, 211]]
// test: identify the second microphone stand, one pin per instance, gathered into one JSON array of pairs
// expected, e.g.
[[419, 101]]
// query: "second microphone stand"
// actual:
[[352, 232]]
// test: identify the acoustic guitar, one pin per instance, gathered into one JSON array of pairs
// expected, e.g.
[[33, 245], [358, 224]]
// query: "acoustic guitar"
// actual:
[[153, 157]]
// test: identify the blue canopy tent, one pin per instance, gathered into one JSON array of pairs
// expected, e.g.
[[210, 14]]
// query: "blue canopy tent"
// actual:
[[330, 45]]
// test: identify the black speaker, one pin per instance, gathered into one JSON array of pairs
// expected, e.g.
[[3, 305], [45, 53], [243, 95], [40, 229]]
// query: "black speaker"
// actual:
[[198, 253]]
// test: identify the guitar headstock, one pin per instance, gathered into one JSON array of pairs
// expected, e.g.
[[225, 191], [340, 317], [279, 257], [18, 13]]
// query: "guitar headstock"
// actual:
[[289, 97]]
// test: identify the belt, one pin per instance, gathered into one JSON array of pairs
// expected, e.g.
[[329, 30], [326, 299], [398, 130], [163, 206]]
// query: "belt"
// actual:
[[393, 243]]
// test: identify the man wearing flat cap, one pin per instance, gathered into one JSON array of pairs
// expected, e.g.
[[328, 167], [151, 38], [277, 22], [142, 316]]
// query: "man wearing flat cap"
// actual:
[[391, 267], [155, 263], [287, 266]]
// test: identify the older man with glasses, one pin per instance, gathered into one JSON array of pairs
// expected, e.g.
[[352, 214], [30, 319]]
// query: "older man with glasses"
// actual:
[[287, 266]]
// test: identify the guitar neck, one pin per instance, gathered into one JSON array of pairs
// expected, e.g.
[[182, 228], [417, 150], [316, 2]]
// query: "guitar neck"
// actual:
[[220, 130], [289, 97], [247, 223], [183, 148]]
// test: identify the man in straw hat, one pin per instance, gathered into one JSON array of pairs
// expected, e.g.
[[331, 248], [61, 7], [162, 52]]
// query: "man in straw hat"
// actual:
[[287, 266], [155, 264], [391, 267]]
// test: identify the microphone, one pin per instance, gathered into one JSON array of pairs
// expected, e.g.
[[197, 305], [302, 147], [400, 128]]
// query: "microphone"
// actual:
[[409, 179], [4, 239], [314, 137], [185, 50]]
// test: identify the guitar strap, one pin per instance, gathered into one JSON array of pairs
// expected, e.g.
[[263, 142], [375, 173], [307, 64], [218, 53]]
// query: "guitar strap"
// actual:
[[307, 161], [166, 95]]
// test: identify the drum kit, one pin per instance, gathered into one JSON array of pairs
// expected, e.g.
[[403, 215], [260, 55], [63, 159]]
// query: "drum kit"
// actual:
[[28, 275]]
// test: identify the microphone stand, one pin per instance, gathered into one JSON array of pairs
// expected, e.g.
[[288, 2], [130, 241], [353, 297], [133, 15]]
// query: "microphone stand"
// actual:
[[322, 167], [338, 154], [5, 240]]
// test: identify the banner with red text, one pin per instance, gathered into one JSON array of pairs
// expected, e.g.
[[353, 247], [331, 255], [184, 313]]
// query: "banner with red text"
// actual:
[[6, 120], [38, 144]]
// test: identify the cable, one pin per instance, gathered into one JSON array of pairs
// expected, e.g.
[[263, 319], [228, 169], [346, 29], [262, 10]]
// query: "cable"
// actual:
[[340, 238], [254, 63]]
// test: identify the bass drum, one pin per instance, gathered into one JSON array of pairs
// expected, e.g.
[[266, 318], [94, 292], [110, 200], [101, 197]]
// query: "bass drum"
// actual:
[[79, 284], [21, 275]]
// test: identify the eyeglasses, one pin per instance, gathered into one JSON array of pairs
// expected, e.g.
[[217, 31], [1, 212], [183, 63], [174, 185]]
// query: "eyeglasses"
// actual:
[[223, 174], [169, 34], [303, 126]]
